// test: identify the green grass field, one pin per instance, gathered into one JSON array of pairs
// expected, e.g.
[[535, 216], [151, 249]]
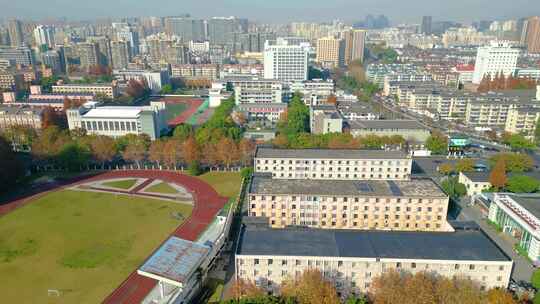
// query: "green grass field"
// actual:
[[83, 244], [164, 188], [174, 110], [226, 183], [121, 184]]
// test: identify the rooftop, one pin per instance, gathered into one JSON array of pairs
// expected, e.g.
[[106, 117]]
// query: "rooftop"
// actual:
[[264, 184], [461, 245], [83, 85], [114, 112], [175, 260], [530, 202], [387, 124], [477, 177], [328, 154]]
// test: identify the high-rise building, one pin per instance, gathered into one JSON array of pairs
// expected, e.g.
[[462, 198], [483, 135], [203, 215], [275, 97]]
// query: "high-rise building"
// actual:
[[498, 57], [104, 49], [354, 45], [52, 59], [120, 54], [44, 36], [125, 33], [20, 55], [531, 34], [426, 25], [15, 32], [186, 28], [221, 30], [331, 52], [285, 62], [88, 54]]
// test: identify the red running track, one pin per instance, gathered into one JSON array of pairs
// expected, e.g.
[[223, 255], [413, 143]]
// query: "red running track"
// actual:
[[194, 104], [207, 203]]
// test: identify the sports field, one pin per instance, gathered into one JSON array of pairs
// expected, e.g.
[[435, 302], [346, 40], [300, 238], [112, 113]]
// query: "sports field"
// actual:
[[81, 244]]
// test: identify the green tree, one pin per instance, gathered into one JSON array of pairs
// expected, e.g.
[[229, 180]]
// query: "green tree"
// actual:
[[10, 165], [446, 169], [183, 131], [437, 143], [73, 156], [453, 188], [194, 168], [515, 162], [535, 279], [167, 89], [465, 165], [522, 184], [297, 118], [518, 142]]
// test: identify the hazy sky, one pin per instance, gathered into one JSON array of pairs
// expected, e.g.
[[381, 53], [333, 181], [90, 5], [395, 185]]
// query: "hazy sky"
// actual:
[[275, 10]]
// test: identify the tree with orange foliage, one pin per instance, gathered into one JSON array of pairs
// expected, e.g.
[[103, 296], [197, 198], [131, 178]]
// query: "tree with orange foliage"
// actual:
[[227, 152], [310, 288], [500, 296], [246, 148], [244, 289], [103, 148], [191, 150], [51, 117], [497, 176], [156, 151]]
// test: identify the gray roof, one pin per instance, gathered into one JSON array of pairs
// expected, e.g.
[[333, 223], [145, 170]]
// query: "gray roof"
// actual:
[[264, 184], [462, 245], [328, 154], [477, 177], [387, 124], [530, 202]]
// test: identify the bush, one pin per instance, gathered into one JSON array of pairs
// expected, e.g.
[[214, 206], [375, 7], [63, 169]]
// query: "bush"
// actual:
[[246, 172], [535, 280], [194, 168]]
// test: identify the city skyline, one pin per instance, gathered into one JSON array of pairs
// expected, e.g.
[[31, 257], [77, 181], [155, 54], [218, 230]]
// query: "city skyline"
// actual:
[[300, 10]]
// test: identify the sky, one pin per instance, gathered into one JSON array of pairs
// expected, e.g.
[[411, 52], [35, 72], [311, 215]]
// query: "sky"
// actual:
[[399, 11]]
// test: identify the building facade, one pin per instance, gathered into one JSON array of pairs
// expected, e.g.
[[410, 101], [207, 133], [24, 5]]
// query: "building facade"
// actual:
[[109, 90], [333, 164], [16, 116], [331, 52], [285, 62], [498, 57]]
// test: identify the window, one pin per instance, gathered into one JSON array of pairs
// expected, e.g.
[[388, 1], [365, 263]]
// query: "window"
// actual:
[[256, 262], [413, 265]]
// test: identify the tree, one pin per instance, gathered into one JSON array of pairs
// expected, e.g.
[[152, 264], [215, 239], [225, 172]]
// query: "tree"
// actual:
[[500, 296], [515, 162], [453, 188], [437, 143], [135, 151], [141, 139], [227, 152], [156, 152], [535, 279], [136, 88], [183, 131], [167, 89], [310, 288], [497, 176], [10, 165], [53, 118], [297, 117], [246, 149], [522, 184], [172, 152], [245, 289], [49, 143], [465, 165], [446, 169], [518, 142], [73, 156], [191, 151], [103, 148]]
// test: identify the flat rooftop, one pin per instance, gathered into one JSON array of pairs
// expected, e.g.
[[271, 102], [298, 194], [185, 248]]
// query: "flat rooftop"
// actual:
[[175, 260], [114, 112], [530, 202], [264, 184], [387, 124], [328, 154], [461, 245], [477, 177]]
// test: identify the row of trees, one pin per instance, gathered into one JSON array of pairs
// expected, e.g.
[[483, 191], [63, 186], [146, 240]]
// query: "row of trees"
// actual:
[[501, 83], [392, 287]]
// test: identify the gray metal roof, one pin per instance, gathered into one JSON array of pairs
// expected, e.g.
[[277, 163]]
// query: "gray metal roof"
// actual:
[[462, 245], [328, 154], [531, 202], [387, 124], [264, 184], [477, 176]]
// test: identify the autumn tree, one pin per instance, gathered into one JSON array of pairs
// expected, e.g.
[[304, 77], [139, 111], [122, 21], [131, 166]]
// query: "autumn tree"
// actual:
[[437, 143], [156, 152], [310, 288], [136, 88], [497, 176], [103, 148], [227, 152], [50, 117], [172, 152], [183, 131], [49, 143], [246, 149], [515, 162], [135, 151], [191, 150], [244, 289], [446, 169], [500, 296], [465, 165]]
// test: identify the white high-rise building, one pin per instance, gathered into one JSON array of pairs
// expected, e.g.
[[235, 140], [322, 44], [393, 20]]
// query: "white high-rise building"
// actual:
[[498, 57], [44, 35], [285, 62]]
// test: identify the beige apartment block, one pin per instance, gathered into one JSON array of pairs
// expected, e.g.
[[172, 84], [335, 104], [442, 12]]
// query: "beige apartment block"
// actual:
[[352, 259], [523, 121], [333, 164], [109, 90], [413, 205]]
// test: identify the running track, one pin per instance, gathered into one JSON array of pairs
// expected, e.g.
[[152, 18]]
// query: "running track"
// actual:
[[207, 204], [193, 104]]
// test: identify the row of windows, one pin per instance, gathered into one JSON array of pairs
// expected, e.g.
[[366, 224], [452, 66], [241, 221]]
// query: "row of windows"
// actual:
[[109, 125], [340, 199], [330, 175], [332, 162], [346, 169]]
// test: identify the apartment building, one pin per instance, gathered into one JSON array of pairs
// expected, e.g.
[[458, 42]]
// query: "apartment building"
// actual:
[[12, 81], [333, 164], [325, 119], [194, 71], [314, 91], [475, 182], [352, 259], [154, 79], [414, 205], [331, 52], [255, 90], [498, 57], [116, 121], [12, 116], [285, 61], [262, 111], [109, 90], [523, 121]]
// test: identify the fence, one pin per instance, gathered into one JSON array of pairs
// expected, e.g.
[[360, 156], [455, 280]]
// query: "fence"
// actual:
[[153, 167]]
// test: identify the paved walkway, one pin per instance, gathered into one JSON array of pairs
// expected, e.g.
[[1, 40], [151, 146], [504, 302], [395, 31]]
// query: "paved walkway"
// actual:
[[523, 269]]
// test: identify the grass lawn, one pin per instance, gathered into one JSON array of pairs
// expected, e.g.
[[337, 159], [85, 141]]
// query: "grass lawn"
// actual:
[[81, 243], [164, 188], [174, 110], [121, 184], [226, 183]]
